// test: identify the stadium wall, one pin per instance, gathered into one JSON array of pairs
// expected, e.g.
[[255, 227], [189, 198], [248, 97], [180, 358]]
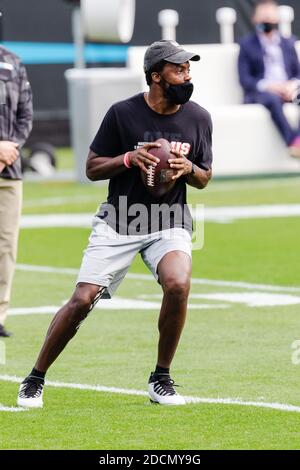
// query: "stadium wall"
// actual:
[[40, 32]]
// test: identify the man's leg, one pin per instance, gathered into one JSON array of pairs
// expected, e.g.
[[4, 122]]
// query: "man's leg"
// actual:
[[10, 211], [275, 105], [65, 324], [62, 328], [174, 271]]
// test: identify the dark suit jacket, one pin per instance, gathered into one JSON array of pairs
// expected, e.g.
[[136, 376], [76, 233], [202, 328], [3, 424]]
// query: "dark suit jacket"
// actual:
[[251, 62]]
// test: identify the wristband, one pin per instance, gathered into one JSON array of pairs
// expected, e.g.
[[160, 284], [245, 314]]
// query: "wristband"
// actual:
[[126, 160]]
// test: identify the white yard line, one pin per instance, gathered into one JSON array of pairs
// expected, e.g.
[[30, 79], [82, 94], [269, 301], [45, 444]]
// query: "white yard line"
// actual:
[[51, 309], [148, 277], [57, 201], [189, 399], [246, 185], [250, 299], [233, 213], [223, 214], [57, 220], [117, 303], [46, 269], [60, 175], [153, 302], [11, 409], [246, 285]]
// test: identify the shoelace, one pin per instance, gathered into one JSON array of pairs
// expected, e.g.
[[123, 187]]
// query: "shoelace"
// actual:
[[31, 389], [167, 384]]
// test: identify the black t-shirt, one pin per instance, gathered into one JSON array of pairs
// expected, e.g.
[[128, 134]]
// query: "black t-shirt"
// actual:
[[130, 124]]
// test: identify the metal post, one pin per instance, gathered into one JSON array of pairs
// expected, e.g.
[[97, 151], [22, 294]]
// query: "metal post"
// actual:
[[287, 16], [168, 20], [226, 17], [78, 36], [1, 30]]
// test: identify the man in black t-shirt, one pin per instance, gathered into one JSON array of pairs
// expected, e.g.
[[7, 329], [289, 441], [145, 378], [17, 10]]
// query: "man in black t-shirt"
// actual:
[[132, 221]]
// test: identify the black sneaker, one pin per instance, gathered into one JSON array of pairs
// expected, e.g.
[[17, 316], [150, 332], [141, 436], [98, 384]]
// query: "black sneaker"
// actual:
[[4, 333], [31, 393], [161, 390]]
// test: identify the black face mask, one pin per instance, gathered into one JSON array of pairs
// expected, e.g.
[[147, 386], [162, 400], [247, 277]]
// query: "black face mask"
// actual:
[[179, 94], [267, 27]]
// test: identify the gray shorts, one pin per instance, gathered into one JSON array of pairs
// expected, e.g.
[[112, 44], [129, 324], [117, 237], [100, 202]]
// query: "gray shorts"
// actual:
[[109, 255]]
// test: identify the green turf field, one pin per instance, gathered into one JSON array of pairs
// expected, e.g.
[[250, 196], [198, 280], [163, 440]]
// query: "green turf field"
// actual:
[[237, 344]]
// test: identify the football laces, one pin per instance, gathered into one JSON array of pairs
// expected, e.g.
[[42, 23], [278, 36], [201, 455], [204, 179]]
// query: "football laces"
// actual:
[[150, 175]]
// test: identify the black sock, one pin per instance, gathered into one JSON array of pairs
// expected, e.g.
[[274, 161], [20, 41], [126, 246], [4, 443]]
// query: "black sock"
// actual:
[[161, 370], [37, 374]]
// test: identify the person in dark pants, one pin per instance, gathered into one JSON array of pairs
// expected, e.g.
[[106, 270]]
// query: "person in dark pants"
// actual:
[[269, 70], [15, 126], [119, 152]]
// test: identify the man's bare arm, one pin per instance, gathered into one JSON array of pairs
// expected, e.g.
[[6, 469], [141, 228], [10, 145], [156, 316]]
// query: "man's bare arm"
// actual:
[[200, 178], [102, 168]]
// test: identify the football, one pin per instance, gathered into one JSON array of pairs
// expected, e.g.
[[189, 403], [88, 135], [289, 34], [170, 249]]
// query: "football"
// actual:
[[158, 180]]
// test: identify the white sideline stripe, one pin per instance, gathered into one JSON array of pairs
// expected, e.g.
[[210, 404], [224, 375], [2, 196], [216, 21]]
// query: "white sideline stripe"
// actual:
[[189, 399], [148, 277], [46, 269], [34, 310], [246, 285], [116, 303], [120, 303], [57, 201], [57, 220], [251, 299], [60, 175], [262, 211], [221, 186], [240, 185], [11, 408], [211, 214]]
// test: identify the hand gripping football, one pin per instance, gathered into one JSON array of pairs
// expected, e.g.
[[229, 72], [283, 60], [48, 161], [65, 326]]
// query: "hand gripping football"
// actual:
[[158, 179]]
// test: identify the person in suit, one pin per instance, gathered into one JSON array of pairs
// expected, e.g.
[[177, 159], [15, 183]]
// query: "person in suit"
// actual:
[[269, 70]]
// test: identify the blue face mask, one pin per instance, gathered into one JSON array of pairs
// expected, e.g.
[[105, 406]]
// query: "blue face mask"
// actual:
[[266, 27]]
